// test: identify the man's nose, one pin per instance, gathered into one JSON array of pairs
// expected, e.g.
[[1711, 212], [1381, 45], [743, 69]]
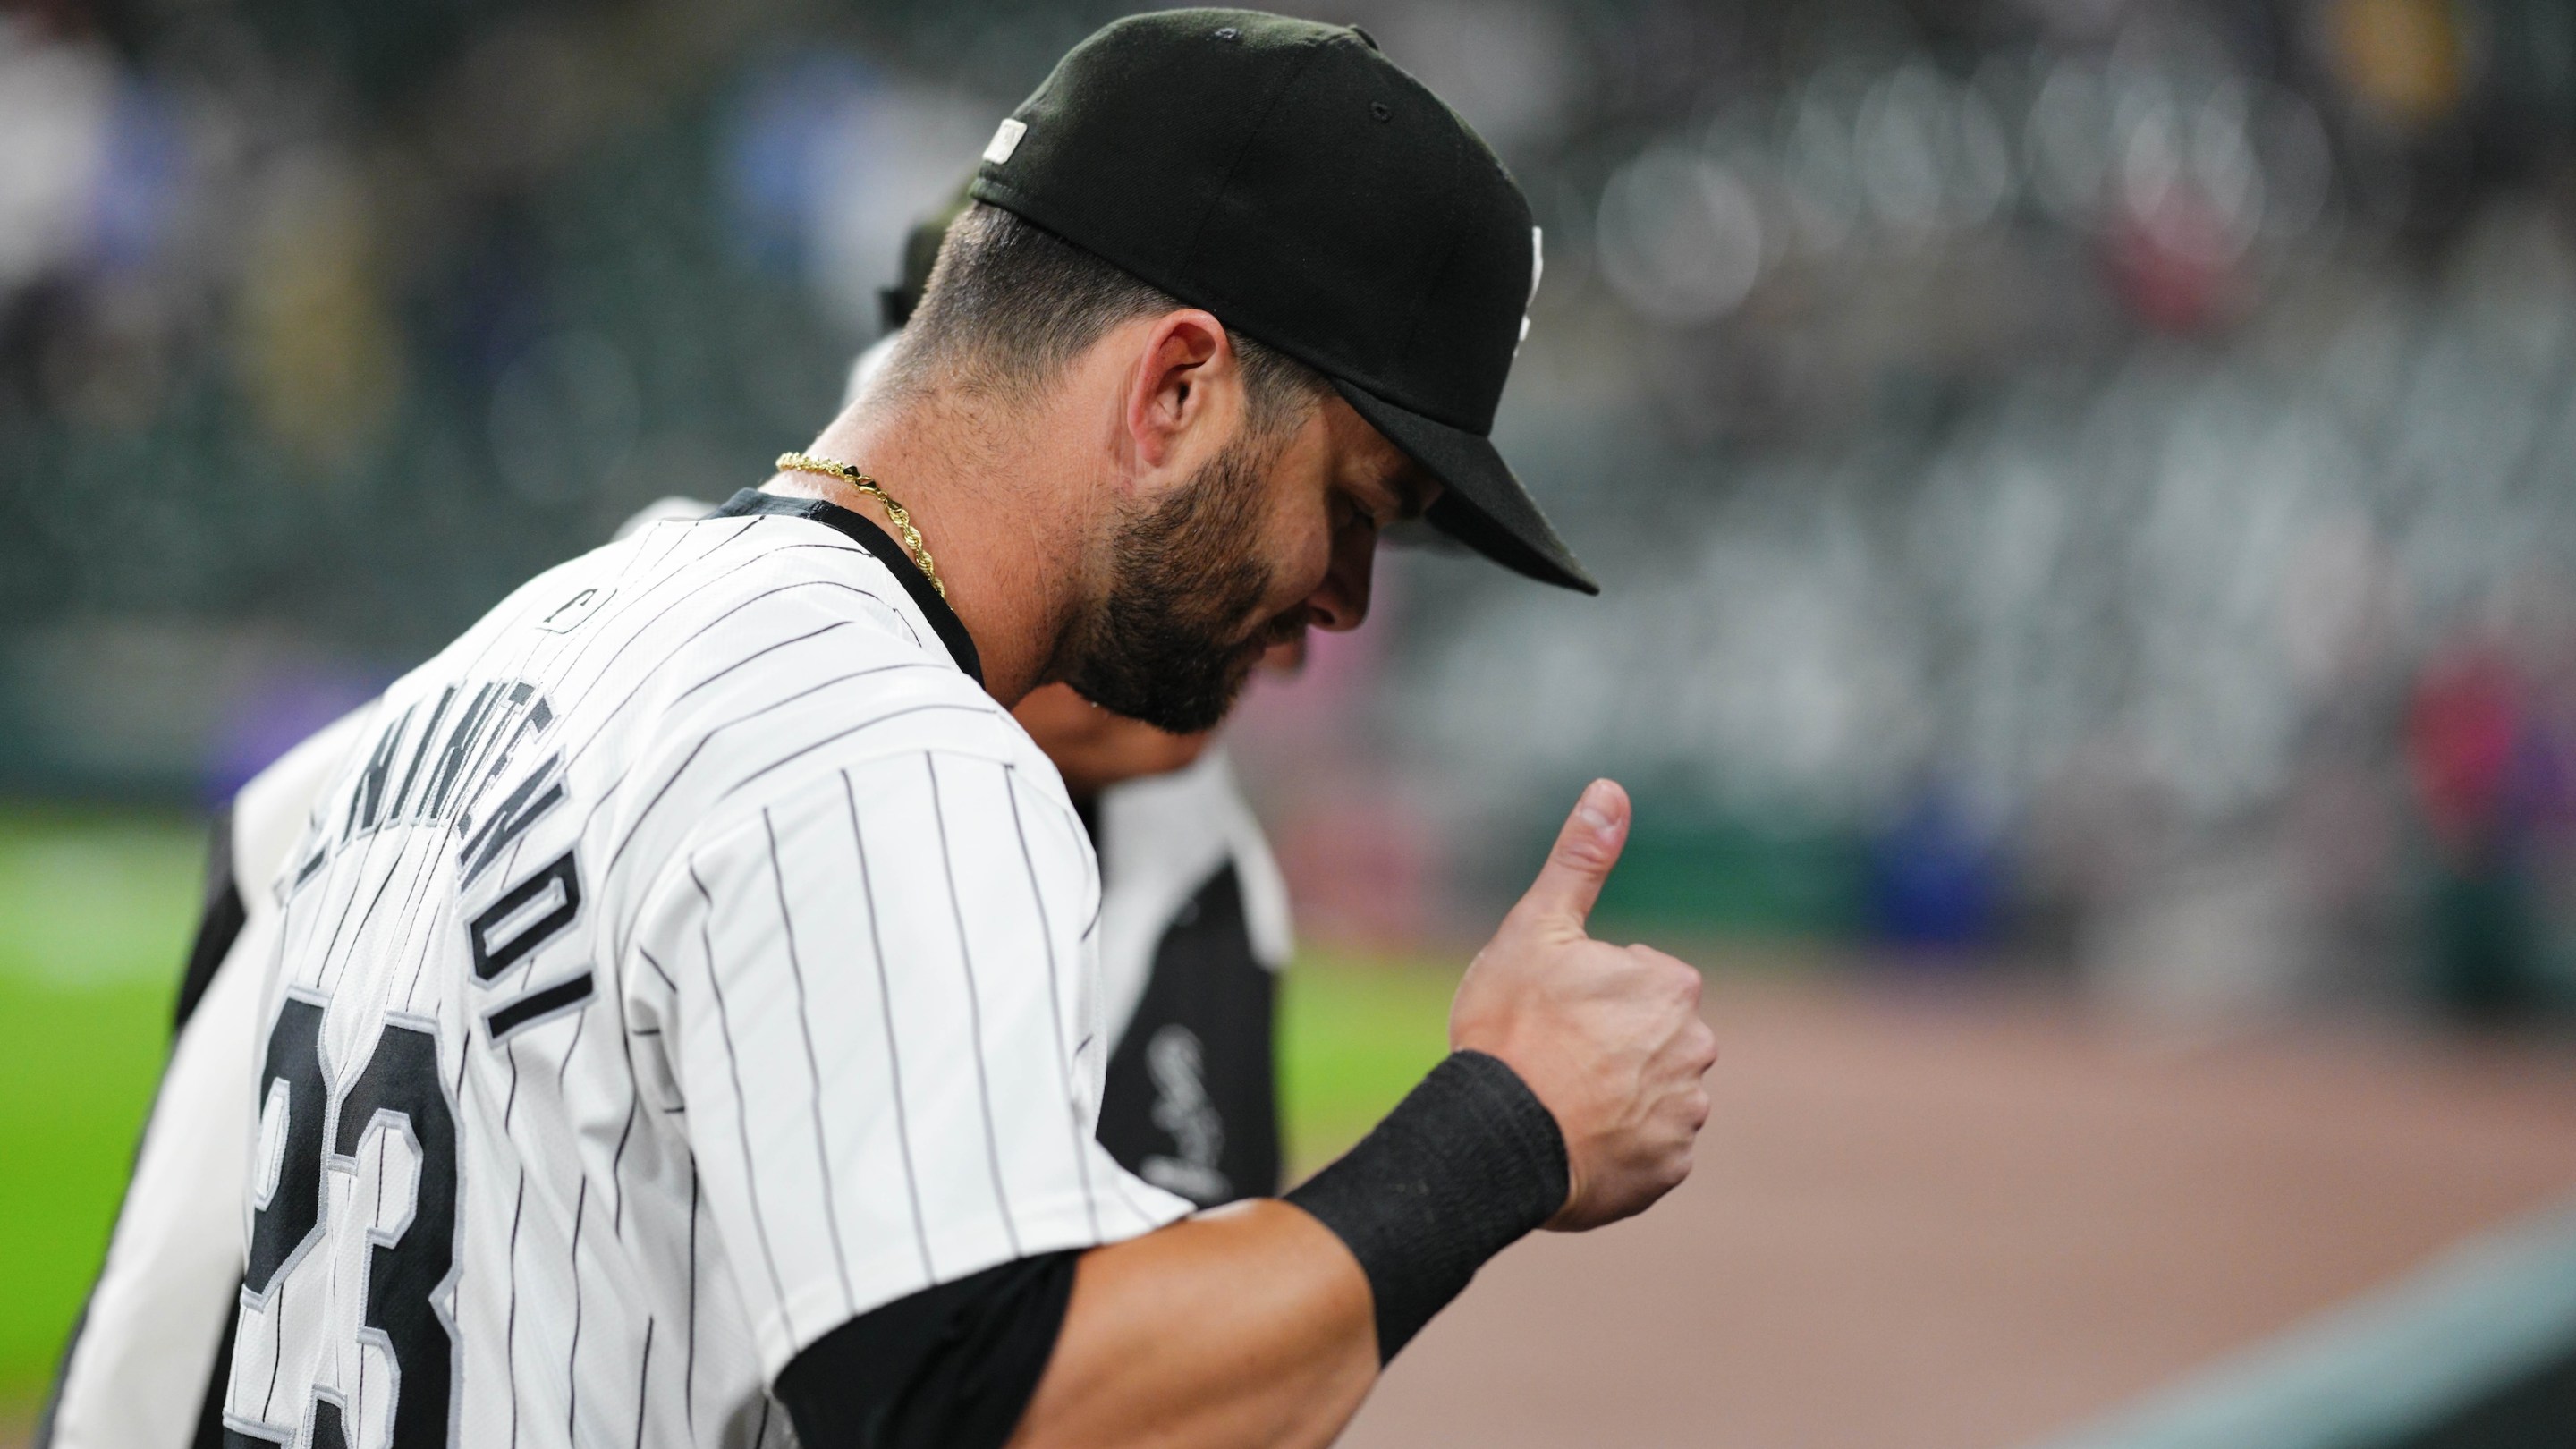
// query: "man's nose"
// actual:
[[1341, 602]]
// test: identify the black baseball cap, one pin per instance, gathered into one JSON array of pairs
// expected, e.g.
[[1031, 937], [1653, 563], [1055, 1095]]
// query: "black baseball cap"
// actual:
[[1287, 177]]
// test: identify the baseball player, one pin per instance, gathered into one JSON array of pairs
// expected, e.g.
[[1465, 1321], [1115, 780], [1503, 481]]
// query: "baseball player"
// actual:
[[1193, 925], [1193, 930], [680, 1019]]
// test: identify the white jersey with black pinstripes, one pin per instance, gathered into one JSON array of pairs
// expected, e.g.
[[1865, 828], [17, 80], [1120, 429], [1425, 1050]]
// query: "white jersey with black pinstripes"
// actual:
[[688, 959]]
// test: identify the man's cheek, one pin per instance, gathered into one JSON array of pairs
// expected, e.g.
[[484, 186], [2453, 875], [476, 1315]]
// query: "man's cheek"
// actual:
[[1308, 562]]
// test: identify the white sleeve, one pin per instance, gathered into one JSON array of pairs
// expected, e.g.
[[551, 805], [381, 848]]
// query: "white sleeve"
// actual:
[[135, 1375], [138, 1371], [876, 1002]]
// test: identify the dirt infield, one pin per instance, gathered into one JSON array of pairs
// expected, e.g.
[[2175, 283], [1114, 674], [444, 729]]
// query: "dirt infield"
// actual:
[[1969, 1224]]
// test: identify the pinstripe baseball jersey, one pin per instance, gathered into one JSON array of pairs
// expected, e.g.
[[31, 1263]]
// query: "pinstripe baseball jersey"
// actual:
[[688, 959]]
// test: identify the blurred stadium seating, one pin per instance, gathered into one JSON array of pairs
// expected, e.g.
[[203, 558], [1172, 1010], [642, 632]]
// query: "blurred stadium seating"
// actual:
[[2038, 449]]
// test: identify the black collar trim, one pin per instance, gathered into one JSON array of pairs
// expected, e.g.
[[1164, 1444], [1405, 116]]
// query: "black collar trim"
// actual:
[[944, 622]]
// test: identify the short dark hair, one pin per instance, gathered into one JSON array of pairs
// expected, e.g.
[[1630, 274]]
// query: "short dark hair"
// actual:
[[1010, 305]]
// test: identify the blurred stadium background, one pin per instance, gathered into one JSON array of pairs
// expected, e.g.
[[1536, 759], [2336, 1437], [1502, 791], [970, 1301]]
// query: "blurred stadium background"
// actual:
[[2085, 492]]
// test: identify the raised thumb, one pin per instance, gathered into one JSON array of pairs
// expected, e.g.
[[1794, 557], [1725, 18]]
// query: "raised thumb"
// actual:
[[1580, 861]]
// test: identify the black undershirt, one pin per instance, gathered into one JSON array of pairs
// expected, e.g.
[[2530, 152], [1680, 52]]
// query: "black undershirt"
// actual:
[[951, 1367]]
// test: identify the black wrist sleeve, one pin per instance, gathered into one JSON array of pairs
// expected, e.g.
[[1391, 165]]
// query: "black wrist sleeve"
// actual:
[[1460, 1170]]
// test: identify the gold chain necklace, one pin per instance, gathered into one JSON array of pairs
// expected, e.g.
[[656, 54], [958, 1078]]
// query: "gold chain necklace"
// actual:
[[912, 544]]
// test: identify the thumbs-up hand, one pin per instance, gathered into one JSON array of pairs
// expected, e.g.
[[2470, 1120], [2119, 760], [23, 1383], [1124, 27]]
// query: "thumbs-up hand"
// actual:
[[1608, 1037]]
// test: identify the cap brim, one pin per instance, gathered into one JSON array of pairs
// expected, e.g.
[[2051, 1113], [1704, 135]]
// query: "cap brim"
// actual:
[[1481, 504]]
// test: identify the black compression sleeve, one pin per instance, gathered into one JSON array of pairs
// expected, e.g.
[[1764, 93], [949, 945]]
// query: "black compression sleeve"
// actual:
[[1459, 1171], [951, 1367]]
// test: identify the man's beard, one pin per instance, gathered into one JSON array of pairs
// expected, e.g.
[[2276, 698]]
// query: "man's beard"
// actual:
[[1169, 645]]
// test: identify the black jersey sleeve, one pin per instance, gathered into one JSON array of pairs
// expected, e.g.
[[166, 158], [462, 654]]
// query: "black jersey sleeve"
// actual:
[[218, 926], [1190, 1102], [950, 1367]]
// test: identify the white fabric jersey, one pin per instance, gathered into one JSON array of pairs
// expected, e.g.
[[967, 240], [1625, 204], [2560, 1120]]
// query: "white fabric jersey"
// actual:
[[690, 958], [1161, 838]]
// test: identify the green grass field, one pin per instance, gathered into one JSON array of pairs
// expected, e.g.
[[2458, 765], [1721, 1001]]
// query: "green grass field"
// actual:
[[96, 909], [95, 913], [1355, 1034]]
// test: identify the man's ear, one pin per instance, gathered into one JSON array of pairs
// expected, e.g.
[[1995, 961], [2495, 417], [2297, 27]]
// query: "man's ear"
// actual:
[[1185, 381]]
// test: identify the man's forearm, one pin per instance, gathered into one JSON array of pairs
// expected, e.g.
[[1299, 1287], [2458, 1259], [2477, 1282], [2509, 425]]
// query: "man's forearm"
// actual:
[[1250, 1325], [1266, 1324]]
